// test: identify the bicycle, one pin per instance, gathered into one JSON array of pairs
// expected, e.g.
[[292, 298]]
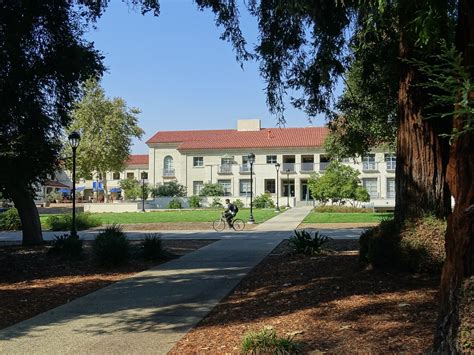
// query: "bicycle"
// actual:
[[219, 224]]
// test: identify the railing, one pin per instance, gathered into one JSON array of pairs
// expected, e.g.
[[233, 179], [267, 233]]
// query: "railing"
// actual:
[[287, 166], [391, 165], [323, 165], [369, 166], [225, 169], [245, 168], [307, 166], [168, 173]]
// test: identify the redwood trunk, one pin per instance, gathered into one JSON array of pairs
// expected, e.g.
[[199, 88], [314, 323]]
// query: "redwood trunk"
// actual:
[[459, 264], [29, 216]]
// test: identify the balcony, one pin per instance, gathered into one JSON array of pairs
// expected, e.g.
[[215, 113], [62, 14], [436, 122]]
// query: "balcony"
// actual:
[[168, 173], [288, 166], [323, 165], [307, 167], [368, 166], [225, 169], [245, 169]]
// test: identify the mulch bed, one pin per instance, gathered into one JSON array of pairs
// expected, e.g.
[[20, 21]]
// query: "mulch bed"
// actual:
[[328, 303], [33, 281]]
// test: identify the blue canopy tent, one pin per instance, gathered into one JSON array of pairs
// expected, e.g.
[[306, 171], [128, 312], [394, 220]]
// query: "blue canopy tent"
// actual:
[[65, 191], [95, 188], [116, 189], [80, 188]]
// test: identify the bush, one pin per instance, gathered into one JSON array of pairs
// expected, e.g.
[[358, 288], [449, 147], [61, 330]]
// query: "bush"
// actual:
[[111, 247], [341, 209], [152, 247], [239, 204], [195, 201], [175, 204], [131, 189], [303, 243], [67, 246], [216, 203], [10, 220], [54, 196], [266, 341], [64, 222], [169, 189], [263, 201], [212, 190], [418, 246]]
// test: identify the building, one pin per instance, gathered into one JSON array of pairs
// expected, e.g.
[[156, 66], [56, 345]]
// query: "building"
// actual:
[[196, 157]]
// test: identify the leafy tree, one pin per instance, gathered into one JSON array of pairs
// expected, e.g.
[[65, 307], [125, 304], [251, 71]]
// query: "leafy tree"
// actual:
[[131, 189], [212, 190], [44, 59], [169, 189], [107, 127]]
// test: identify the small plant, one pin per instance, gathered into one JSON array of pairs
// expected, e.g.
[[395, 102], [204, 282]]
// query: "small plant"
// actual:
[[111, 247], [67, 246], [152, 247], [216, 203], [54, 196], [266, 341], [239, 203], [175, 204], [64, 222], [10, 220], [263, 201], [212, 190], [304, 243], [195, 201]]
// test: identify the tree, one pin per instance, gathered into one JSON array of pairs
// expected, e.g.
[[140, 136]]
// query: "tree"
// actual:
[[131, 189], [107, 127], [170, 189], [339, 183], [212, 190]]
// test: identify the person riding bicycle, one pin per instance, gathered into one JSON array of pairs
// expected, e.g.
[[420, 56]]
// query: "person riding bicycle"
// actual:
[[230, 211]]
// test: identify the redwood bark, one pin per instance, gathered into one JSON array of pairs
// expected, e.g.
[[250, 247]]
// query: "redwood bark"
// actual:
[[29, 216], [459, 237]]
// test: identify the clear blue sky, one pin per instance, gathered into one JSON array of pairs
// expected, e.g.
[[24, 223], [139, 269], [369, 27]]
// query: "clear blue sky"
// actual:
[[178, 72]]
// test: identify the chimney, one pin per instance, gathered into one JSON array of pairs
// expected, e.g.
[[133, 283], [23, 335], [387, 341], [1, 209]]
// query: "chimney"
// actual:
[[248, 125]]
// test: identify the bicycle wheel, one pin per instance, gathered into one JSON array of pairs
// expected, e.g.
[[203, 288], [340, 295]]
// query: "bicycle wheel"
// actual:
[[238, 224], [219, 225]]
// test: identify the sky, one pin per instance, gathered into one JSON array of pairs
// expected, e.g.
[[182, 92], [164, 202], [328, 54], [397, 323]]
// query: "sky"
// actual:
[[178, 72]]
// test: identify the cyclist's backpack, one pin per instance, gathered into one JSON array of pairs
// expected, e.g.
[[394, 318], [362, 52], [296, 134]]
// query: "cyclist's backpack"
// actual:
[[233, 208]]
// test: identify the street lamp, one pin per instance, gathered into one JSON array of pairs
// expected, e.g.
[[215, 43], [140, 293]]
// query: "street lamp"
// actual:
[[251, 160], [277, 167], [74, 140], [143, 191], [287, 171]]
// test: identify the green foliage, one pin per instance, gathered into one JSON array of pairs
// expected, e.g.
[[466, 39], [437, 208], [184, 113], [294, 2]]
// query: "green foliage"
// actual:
[[175, 204], [361, 194], [169, 189], [303, 243], [195, 201], [339, 182], [10, 220], [67, 246], [341, 209], [54, 196], [239, 203], [418, 246], [216, 203], [131, 189], [263, 201], [64, 222], [111, 247], [266, 341], [212, 190], [152, 247]]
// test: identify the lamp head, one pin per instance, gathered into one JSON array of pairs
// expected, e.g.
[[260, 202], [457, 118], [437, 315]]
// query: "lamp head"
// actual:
[[277, 166], [74, 139], [251, 158]]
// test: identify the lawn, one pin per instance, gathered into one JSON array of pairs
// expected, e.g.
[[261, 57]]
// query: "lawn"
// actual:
[[327, 217], [178, 216]]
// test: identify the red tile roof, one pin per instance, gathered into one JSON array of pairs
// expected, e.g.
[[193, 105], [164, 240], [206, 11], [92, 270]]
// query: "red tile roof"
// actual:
[[230, 139], [138, 159]]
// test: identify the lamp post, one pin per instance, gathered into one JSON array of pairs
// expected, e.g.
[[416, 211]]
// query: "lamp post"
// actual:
[[277, 167], [143, 191], [251, 160], [74, 139], [287, 171]]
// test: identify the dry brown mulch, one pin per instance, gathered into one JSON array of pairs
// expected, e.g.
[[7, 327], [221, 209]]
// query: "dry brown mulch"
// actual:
[[33, 281], [329, 303]]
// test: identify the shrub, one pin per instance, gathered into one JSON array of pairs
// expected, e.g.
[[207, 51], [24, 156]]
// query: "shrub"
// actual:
[[54, 196], [195, 201], [239, 203], [341, 209], [10, 220], [303, 243], [67, 246], [169, 189], [418, 246], [216, 203], [152, 247], [131, 189], [64, 222], [111, 247], [263, 201], [175, 204], [266, 341], [212, 190]]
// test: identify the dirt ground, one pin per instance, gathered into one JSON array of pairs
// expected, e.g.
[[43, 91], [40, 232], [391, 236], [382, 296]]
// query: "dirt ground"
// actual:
[[328, 303], [33, 281]]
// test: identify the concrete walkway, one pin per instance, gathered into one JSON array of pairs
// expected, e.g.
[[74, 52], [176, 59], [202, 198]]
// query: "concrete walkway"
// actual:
[[149, 312]]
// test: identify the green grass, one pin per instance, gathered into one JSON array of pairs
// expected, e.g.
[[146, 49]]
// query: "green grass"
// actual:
[[326, 217], [204, 215]]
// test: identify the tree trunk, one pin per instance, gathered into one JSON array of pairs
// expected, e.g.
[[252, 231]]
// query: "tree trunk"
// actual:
[[422, 155], [104, 185], [459, 264], [30, 221]]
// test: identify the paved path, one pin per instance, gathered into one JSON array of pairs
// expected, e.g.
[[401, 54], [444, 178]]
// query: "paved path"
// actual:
[[149, 312]]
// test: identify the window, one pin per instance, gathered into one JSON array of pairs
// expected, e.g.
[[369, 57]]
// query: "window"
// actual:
[[368, 162], [168, 163], [226, 184], [371, 187], [197, 187], [270, 186], [144, 175], [116, 176], [391, 161], [227, 161], [271, 159], [391, 188], [198, 161], [244, 187], [130, 176]]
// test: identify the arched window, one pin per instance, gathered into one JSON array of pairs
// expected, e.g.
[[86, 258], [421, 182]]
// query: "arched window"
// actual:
[[168, 163]]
